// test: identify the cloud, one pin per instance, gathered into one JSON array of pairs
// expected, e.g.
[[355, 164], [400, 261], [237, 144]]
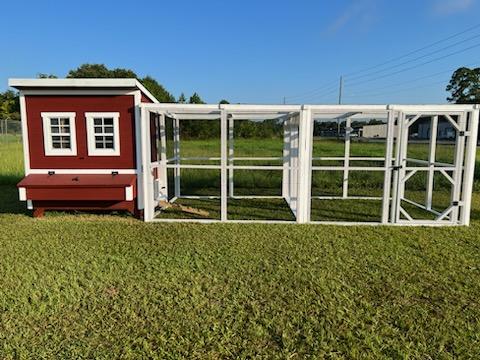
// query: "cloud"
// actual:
[[360, 12], [448, 7]]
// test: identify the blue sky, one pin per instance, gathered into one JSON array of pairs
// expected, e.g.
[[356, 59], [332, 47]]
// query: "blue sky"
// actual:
[[250, 51]]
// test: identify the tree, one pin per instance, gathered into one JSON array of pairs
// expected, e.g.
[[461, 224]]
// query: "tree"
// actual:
[[157, 90], [9, 105], [101, 71], [90, 71], [46, 76], [223, 101], [195, 99], [123, 73], [182, 99], [464, 86]]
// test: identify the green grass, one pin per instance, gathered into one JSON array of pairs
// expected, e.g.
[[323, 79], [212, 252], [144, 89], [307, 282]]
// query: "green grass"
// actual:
[[102, 286], [11, 160]]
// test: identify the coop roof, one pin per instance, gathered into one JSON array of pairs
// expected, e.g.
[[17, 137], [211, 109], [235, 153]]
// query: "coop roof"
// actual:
[[94, 84]]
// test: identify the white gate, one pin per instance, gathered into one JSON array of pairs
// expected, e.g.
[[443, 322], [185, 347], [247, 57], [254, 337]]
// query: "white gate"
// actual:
[[455, 173]]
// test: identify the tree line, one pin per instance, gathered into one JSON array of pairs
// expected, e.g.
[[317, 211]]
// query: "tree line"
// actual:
[[464, 88]]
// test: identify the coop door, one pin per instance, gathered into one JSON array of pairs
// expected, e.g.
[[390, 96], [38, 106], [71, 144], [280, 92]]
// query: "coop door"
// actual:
[[428, 168]]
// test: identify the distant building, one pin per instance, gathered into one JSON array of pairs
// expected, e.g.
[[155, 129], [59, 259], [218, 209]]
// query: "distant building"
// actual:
[[445, 130], [374, 131]]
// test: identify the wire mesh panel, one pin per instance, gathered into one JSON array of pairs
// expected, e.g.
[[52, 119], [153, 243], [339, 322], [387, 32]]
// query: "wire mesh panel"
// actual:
[[377, 164], [10, 130], [350, 165]]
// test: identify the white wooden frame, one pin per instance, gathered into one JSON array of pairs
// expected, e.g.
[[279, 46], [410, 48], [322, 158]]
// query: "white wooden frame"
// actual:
[[91, 147], [47, 134], [296, 160]]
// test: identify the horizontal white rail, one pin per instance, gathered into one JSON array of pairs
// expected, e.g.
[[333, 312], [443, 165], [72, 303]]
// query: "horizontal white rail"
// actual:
[[423, 207], [351, 158], [425, 162], [351, 168]]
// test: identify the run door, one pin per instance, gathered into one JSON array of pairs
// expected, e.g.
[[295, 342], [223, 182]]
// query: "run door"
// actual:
[[429, 167]]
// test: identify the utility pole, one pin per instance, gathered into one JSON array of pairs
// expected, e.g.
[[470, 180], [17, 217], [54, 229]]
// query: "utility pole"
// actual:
[[284, 100], [340, 94], [340, 91]]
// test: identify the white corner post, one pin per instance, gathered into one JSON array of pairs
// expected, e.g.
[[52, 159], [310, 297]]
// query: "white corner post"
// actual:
[[387, 181], [176, 155], [139, 149], [305, 166], [346, 160], [223, 165], [471, 148], [459, 166], [23, 123], [230, 155], [431, 161], [146, 173]]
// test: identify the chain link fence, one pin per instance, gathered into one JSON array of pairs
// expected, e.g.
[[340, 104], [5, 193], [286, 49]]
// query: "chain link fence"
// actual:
[[10, 130]]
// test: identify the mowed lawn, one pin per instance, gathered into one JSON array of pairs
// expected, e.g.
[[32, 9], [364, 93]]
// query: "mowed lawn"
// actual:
[[93, 286]]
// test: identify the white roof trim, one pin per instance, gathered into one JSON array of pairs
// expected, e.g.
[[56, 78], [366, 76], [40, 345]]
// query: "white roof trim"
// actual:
[[146, 92], [81, 83]]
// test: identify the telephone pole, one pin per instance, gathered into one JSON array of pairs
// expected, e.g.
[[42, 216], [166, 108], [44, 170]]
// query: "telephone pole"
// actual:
[[284, 100]]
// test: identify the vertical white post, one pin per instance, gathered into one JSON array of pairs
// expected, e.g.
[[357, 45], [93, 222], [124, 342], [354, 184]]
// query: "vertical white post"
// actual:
[[293, 181], [147, 176], [402, 164], [469, 167], [223, 163], [23, 119], [387, 181], [396, 198], [176, 155], [305, 163], [431, 161], [230, 155], [139, 149], [346, 159], [457, 173], [163, 159], [286, 160]]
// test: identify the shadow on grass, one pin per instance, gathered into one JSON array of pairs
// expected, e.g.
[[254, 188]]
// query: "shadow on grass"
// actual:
[[9, 202]]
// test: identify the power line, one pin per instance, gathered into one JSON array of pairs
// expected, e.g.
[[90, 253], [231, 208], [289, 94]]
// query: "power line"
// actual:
[[415, 59], [420, 78], [416, 66], [323, 94], [415, 51], [398, 90], [312, 92]]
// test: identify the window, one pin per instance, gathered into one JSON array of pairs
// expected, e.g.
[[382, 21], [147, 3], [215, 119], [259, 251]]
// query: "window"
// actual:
[[103, 134], [59, 134]]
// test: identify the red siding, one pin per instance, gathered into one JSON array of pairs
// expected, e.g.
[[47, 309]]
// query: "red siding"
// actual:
[[146, 99], [123, 104]]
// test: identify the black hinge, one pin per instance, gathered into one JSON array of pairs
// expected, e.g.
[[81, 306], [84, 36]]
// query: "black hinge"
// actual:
[[455, 203], [461, 133], [114, 173], [397, 167], [50, 173]]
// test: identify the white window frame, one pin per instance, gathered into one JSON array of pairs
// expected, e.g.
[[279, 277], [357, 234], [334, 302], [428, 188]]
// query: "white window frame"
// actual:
[[92, 150], [47, 134]]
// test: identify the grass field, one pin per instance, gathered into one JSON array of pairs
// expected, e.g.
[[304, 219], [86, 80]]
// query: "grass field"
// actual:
[[103, 286]]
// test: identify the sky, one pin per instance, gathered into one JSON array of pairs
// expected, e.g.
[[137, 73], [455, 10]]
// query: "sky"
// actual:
[[249, 51]]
